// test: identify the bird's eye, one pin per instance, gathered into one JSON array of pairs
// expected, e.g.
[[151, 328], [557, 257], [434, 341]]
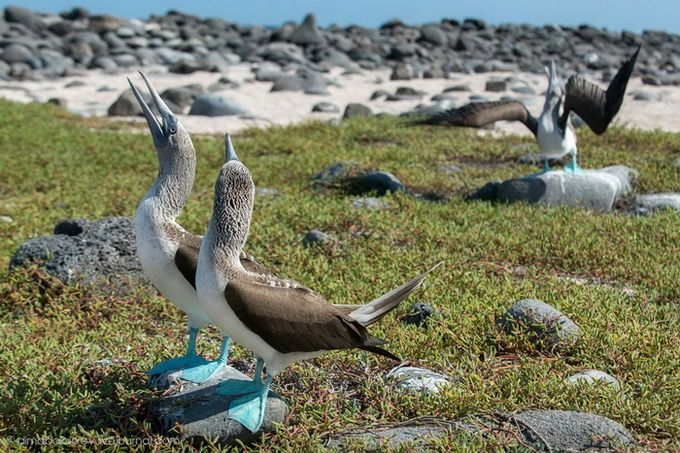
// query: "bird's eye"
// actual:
[[173, 129]]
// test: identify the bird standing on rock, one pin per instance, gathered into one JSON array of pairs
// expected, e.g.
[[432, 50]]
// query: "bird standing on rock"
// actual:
[[279, 320], [553, 128]]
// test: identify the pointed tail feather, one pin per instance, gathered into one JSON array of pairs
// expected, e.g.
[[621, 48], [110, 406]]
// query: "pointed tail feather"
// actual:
[[375, 310], [381, 351]]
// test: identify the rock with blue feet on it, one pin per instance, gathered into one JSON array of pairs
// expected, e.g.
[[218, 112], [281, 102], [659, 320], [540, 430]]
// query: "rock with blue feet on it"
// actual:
[[592, 377], [598, 190], [421, 380], [199, 411], [544, 324]]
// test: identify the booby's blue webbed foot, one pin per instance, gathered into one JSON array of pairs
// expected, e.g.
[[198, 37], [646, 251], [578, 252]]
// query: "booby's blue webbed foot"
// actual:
[[573, 167], [183, 362], [201, 373], [249, 409]]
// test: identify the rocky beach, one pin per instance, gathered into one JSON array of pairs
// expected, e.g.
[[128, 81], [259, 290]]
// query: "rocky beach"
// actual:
[[225, 76]]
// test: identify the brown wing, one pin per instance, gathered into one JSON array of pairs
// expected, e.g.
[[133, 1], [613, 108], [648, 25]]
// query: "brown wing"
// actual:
[[297, 319], [594, 105], [480, 114], [186, 259]]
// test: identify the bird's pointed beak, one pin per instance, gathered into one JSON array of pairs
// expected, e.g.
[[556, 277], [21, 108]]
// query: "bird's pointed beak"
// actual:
[[159, 131], [154, 127], [229, 151], [554, 87], [163, 109]]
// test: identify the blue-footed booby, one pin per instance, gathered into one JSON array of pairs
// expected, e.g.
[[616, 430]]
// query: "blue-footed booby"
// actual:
[[553, 129], [279, 320], [167, 252]]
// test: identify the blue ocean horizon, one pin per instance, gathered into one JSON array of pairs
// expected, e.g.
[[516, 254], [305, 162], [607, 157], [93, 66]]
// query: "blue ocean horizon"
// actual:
[[614, 15]]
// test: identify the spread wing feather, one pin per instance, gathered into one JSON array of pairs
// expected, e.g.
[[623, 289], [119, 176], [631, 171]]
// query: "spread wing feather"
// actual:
[[594, 105], [480, 114]]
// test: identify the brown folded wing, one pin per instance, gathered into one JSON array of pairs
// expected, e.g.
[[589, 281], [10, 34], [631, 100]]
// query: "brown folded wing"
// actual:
[[594, 105], [297, 319], [186, 259], [480, 114]]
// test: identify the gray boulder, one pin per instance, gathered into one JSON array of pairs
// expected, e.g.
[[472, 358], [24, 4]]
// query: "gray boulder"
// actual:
[[16, 53], [356, 109], [325, 107], [214, 105], [288, 83], [413, 436], [381, 182], [307, 33], [196, 411], [644, 204], [371, 203], [433, 34], [593, 189], [127, 105], [84, 251], [315, 237], [25, 17], [402, 71], [593, 377], [496, 85], [183, 96], [543, 430], [545, 325], [335, 173], [555, 430], [418, 380]]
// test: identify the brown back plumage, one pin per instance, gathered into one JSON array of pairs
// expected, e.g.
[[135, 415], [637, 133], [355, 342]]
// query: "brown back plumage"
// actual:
[[295, 319], [186, 259], [480, 114], [594, 105]]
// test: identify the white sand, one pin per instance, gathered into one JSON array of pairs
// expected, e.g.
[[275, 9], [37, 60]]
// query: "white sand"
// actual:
[[281, 108]]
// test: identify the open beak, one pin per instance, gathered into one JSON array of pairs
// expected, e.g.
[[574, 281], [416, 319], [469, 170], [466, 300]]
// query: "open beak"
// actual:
[[159, 131], [229, 151]]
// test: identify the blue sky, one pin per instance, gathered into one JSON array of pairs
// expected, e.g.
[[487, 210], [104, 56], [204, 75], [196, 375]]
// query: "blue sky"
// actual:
[[633, 15]]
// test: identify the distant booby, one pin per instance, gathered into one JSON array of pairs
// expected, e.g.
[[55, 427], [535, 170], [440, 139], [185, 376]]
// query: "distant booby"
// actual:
[[279, 320], [167, 252], [553, 129]]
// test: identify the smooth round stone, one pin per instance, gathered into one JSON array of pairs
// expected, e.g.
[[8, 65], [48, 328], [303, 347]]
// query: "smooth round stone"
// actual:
[[356, 109], [315, 237], [381, 182], [658, 201], [593, 377], [334, 173], [418, 379], [326, 107], [214, 105], [16, 53], [372, 203], [543, 323]]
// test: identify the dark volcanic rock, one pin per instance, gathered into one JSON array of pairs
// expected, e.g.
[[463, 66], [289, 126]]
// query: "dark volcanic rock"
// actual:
[[196, 411], [183, 96], [83, 251], [418, 314], [325, 107], [127, 105], [355, 109], [380, 182], [571, 431], [307, 33]]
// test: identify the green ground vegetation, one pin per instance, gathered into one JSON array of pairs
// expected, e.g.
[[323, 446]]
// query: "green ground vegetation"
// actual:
[[54, 165]]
